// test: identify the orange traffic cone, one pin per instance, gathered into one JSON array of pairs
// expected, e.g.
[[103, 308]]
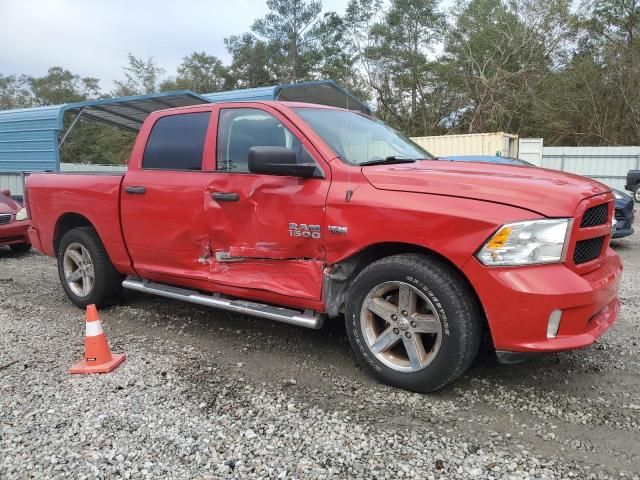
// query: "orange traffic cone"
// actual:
[[97, 355]]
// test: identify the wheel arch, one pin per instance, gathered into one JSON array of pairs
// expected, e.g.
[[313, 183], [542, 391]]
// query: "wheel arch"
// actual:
[[340, 274], [66, 222]]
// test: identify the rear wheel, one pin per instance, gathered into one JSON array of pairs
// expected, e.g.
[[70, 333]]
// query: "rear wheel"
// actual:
[[20, 247], [412, 322], [636, 193], [85, 271]]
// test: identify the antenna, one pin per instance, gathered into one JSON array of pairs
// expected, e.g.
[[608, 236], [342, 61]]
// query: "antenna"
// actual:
[[349, 191]]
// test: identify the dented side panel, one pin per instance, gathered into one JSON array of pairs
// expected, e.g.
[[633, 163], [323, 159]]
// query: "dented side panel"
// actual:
[[293, 278], [272, 237]]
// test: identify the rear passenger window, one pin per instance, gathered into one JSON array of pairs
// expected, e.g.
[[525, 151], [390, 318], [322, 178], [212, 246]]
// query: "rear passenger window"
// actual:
[[176, 142]]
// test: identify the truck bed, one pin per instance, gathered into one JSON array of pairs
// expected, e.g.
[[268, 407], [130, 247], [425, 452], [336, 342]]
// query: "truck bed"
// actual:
[[78, 197]]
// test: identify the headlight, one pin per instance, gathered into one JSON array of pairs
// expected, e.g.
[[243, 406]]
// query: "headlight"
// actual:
[[617, 195], [526, 243], [22, 214]]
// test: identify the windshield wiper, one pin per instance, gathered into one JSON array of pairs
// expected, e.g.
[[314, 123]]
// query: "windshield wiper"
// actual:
[[389, 160]]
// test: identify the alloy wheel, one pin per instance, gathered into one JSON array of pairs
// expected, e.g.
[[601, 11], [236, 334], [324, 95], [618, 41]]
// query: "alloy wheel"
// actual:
[[401, 326], [78, 269]]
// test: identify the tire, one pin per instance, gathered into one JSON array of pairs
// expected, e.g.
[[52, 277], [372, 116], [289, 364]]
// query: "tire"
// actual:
[[636, 193], [106, 285], [20, 247], [443, 305]]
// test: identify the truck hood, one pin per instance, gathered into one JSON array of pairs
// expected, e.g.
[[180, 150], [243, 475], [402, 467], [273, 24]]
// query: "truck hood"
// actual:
[[548, 192]]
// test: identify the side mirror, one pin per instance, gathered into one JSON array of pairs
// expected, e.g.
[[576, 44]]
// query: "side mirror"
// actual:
[[279, 161], [6, 193]]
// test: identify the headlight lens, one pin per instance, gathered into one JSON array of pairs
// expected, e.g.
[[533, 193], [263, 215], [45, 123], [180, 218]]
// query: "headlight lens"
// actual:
[[617, 195], [22, 214], [526, 243]]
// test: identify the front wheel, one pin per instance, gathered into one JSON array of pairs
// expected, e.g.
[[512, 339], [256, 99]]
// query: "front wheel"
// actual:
[[85, 271], [413, 322], [636, 193]]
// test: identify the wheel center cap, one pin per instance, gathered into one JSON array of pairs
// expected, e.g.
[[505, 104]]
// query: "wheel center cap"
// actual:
[[403, 324]]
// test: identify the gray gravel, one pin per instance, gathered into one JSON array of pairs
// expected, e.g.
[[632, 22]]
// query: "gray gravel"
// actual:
[[206, 394]]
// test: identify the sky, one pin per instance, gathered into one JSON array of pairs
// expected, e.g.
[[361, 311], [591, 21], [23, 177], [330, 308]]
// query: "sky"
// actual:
[[92, 37]]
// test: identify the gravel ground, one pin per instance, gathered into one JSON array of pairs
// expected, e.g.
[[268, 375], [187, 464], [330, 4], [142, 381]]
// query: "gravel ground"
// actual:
[[207, 394]]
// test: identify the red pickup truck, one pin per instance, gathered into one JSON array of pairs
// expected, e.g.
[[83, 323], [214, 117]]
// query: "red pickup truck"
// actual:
[[297, 212]]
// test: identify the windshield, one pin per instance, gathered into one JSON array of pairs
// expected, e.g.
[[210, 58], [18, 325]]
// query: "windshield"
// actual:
[[358, 139]]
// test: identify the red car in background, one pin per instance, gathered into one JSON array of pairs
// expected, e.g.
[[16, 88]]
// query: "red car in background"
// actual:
[[14, 222]]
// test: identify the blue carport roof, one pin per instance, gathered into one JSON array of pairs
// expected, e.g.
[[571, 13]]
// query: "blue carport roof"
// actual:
[[323, 92], [131, 112], [29, 137]]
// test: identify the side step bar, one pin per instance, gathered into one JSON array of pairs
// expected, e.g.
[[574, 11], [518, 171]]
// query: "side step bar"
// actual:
[[308, 318]]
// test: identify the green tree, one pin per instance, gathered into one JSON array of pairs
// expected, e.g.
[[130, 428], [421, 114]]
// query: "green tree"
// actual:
[[334, 58], [200, 73], [498, 55], [14, 92], [611, 38], [61, 86], [252, 63], [594, 99], [288, 29], [140, 77], [400, 69]]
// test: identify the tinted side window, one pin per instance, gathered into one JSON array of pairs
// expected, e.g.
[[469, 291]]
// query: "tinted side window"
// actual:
[[176, 142], [239, 129]]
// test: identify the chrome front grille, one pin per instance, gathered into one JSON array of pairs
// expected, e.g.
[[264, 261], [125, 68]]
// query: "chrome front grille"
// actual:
[[5, 218]]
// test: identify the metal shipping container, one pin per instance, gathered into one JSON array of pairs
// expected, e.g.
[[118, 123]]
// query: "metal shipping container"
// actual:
[[499, 143], [530, 150]]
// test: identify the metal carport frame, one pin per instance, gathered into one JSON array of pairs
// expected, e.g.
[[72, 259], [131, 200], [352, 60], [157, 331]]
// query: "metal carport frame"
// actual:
[[30, 138]]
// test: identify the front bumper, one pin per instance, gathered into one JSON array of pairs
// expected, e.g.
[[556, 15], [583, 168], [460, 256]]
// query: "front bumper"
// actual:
[[623, 232], [14, 233], [518, 303]]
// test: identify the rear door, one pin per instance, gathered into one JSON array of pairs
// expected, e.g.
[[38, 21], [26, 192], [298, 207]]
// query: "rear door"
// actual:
[[267, 231], [163, 200]]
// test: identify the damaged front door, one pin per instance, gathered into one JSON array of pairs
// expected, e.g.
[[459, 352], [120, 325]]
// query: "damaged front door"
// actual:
[[266, 230]]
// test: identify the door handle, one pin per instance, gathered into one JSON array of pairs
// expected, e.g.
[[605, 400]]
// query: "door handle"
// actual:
[[135, 190], [225, 196]]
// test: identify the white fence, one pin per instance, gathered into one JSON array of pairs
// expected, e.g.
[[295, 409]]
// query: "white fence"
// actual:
[[14, 180], [608, 165]]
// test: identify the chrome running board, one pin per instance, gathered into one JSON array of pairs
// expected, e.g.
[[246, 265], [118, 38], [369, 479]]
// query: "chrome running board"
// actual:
[[308, 318]]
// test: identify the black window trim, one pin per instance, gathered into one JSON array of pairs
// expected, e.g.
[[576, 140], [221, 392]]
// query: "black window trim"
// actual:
[[204, 143], [298, 135]]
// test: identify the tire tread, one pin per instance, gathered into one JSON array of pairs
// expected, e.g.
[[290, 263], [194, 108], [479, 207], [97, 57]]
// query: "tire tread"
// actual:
[[463, 309], [108, 281]]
